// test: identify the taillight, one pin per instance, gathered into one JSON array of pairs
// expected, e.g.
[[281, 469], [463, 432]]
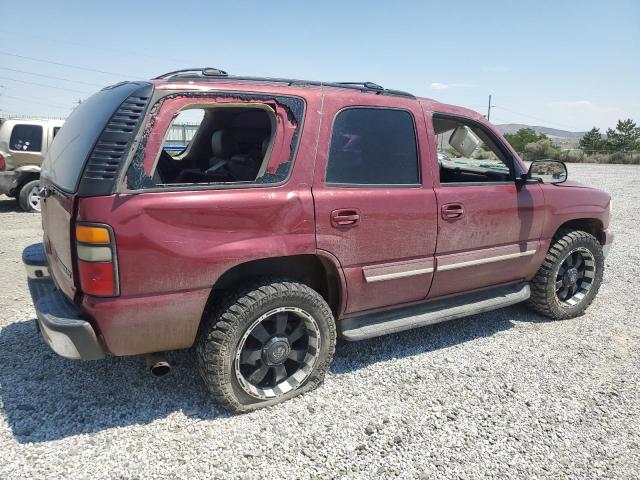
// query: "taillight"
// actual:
[[3, 164], [97, 267]]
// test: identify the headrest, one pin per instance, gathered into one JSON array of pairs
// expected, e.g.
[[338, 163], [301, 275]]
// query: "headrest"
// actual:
[[223, 143]]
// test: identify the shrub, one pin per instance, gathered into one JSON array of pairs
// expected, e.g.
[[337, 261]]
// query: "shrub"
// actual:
[[571, 156], [628, 158], [542, 149]]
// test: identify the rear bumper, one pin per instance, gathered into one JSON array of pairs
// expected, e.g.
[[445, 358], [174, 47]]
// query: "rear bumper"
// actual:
[[59, 321]]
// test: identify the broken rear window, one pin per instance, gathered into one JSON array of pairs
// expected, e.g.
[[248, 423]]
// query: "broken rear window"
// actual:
[[219, 140]]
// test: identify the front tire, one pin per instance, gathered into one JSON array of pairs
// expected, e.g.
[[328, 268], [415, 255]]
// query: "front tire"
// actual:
[[570, 276], [28, 198], [266, 344]]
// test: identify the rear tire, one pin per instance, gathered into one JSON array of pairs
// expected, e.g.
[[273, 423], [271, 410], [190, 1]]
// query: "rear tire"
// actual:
[[570, 275], [266, 344], [28, 198]]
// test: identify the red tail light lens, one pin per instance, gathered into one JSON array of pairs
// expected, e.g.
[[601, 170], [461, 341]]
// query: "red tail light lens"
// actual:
[[97, 278], [3, 164], [97, 267]]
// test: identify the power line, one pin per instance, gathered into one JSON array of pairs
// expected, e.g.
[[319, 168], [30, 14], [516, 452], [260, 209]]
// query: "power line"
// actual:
[[95, 47], [535, 118], [500, 120], [45, 85], [35, 101], [68, 65], [51, 77], [46, 99]]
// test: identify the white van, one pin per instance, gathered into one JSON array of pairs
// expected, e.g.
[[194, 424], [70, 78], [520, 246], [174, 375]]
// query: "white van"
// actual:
[[23, 144]]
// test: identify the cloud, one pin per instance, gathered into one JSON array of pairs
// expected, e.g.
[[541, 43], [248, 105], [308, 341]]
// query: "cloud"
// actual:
[[439, 86]]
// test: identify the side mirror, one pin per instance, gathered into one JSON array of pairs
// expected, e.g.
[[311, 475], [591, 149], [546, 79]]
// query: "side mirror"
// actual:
[[548, 171]]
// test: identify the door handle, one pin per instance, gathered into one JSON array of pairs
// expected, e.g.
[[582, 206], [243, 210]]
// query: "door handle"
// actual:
[[452, 210], [345, 217]]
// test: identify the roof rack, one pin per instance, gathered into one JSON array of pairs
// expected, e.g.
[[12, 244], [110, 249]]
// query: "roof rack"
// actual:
[[367, 85], [209, 73], [205, 72]]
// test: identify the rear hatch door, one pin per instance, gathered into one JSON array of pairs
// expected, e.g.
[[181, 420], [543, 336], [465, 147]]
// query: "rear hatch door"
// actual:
[[57, 221], [81, 137]]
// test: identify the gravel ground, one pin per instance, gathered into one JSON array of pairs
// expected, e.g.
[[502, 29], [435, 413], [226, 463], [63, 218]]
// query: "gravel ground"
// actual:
[[497, 395]]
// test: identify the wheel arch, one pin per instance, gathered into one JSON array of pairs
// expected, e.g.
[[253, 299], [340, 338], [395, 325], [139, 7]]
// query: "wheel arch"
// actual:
[[29, 169], [315, 270], [25, 176], [22, 177], [593, 226]]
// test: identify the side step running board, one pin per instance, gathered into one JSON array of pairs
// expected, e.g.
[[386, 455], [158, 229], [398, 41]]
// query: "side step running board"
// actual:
[[405, 318]]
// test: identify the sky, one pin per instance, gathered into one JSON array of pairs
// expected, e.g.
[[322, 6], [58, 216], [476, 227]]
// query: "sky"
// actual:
[[566, 64]]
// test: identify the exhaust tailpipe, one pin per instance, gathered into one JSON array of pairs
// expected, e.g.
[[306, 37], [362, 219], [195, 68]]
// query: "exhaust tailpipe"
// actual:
[[157, 364]]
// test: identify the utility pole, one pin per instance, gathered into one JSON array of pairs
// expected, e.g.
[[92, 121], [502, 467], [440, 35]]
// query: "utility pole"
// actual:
[[489, 109]]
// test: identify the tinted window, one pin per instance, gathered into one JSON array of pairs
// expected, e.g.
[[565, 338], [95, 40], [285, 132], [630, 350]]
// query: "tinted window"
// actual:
[[55, 131], [26, 138], [66, 157], [373, 146]]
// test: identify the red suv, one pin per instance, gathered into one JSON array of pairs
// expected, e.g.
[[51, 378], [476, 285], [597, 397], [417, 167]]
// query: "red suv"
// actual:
[[284, 213]]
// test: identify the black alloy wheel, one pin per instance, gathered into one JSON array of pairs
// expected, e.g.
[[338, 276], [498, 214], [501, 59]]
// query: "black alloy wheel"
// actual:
[[265, 343], [277, 353], [575, 276], [570, 275]]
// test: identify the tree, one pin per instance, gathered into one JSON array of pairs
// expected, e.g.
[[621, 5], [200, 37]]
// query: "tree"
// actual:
[[522, 137], [592, 140], [626, 136]]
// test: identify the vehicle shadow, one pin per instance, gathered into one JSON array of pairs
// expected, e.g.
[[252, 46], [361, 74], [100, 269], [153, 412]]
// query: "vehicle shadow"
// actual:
[[46, 397], [8, 204], [352, 356]]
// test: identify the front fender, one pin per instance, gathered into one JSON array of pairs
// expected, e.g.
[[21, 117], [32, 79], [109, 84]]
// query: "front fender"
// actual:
[[566, 203]]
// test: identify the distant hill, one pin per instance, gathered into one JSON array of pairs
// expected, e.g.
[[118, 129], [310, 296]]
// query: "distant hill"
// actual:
[[563, 138]]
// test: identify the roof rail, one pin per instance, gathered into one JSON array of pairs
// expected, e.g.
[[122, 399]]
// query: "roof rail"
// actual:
[[209, 73], [368, 85], [205, 72]]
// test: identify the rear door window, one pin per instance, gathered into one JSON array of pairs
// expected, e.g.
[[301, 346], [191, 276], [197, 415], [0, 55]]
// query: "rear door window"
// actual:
[[182, 131], [373, 146], [26, 138], [224, 145], [212, 142]]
